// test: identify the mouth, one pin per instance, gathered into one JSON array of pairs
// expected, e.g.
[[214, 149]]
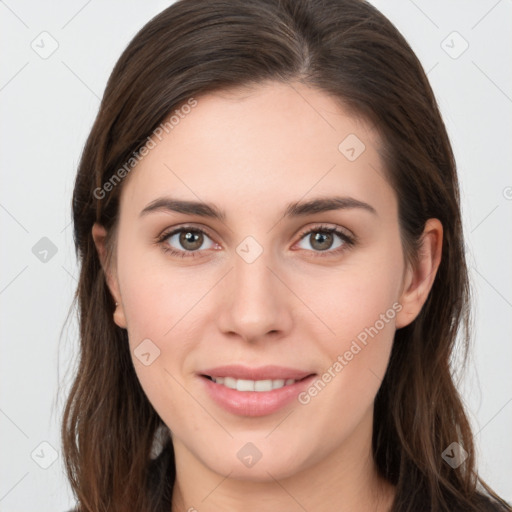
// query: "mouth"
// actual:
[[259, 391]]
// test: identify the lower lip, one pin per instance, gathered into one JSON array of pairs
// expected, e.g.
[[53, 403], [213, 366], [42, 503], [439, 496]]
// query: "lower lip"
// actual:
[[254, 403]]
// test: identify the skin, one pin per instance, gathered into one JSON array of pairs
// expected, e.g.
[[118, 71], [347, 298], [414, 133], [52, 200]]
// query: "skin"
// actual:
[[251, 153]]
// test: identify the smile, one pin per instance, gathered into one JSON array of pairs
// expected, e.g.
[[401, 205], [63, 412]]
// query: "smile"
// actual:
[[252, 385], [260, 391]]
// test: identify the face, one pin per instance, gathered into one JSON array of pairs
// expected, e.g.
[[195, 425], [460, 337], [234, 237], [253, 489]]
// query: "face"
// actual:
[[259, 274]]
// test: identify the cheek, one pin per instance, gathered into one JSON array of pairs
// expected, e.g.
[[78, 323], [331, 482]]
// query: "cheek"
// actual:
[[162, 308], [156, 298], [159, 336], [362, 316], [358, 305], [353, 300]]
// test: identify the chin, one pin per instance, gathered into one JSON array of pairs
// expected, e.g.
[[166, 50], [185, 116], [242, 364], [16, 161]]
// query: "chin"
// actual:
[[258, 461]]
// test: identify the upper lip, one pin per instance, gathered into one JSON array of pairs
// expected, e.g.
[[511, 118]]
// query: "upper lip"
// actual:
[[270, 372]]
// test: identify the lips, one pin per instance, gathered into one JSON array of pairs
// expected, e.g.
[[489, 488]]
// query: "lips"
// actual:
[[259, 391]]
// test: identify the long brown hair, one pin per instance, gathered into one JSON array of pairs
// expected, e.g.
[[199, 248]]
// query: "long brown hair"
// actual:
[[349, 50]]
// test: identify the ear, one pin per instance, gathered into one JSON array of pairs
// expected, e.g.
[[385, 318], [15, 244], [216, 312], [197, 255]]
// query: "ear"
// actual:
[[418, 281], [99, 235]]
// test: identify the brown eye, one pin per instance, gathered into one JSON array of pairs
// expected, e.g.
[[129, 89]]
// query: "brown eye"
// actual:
[[191, 240], [185, 240], [325, 239], [321, 241]]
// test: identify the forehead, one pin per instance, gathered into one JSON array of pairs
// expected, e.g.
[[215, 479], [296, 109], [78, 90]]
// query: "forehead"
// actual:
[[259, 148]]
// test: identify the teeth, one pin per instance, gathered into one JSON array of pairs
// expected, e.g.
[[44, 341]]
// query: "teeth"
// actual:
[[252, 385], [263, 385], [244, 385]]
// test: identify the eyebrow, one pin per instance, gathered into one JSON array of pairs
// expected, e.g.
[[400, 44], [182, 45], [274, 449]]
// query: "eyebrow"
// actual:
[[296, 209]]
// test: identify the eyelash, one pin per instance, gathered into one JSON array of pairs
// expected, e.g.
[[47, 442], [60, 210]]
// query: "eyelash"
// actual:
[[347, 240]]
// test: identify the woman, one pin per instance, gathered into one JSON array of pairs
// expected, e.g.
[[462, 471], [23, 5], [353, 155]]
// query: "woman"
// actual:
[[272, 272]]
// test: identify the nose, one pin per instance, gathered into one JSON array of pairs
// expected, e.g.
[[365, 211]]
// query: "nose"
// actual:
[[256, 304]]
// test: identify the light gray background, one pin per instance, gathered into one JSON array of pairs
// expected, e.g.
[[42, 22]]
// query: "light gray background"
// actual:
[[47, 108]]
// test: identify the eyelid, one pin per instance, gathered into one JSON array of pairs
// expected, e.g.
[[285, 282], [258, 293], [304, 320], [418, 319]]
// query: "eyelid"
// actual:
[[329, 228], [166, 233]]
